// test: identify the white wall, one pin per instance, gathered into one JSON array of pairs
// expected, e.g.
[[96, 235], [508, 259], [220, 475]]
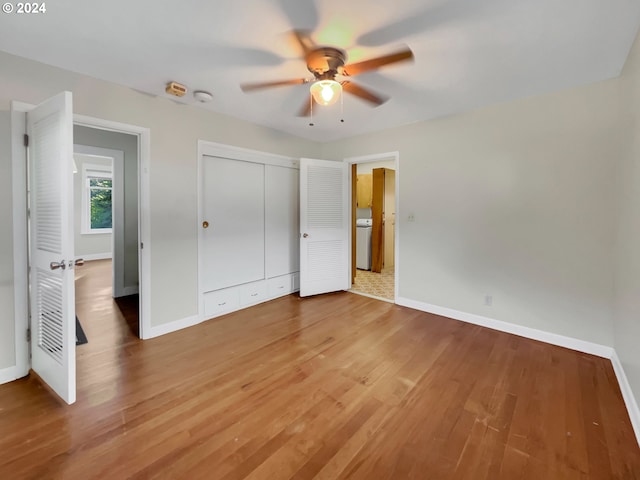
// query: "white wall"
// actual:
[[175, 130], [515, 201], [93, 243], [7, 321], [627, 280]]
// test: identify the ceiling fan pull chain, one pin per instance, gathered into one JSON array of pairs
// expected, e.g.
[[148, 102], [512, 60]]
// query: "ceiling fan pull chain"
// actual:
[[342, 108], [311, 110]]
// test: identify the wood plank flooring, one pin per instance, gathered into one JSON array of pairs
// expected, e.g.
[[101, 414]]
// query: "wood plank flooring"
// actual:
[[337, 386]]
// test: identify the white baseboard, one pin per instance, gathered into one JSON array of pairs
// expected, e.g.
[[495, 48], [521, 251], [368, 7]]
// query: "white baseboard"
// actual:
[[547, 337], [627, 395], [8, 375], [95, 256], [527, 332], [158, 330]]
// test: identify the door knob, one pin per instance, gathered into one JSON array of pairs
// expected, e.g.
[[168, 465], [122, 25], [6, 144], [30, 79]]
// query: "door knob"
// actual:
[[205, 224], [57, 265], [305, 235], [79, 262]]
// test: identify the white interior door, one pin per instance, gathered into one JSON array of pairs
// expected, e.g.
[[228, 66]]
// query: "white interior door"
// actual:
[[53, 339], [324, 227]]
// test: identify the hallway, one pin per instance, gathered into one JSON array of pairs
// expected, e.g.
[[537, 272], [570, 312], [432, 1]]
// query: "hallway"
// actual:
[[111, 325]]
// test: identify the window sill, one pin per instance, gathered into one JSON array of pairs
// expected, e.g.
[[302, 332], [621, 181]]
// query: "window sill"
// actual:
[[101, 231]]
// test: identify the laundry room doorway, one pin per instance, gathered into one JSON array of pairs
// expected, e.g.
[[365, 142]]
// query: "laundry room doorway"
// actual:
[[373, 234]]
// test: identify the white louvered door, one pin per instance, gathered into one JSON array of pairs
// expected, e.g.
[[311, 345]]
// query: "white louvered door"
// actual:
[[53, 339], [324, 227]]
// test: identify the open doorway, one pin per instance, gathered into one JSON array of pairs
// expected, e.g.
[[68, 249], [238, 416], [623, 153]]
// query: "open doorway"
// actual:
[[373, 225], [53, 166], [106, 212]]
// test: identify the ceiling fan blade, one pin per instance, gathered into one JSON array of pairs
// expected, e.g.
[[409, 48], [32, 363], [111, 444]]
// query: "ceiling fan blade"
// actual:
[[363, 93], [305, 111], [250, 87], [375, 63], [303, 38], [428, 17], [240, 56], [300, 13]]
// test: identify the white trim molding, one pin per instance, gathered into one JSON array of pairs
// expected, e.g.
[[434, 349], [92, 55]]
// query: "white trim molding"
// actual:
[[20, 256], [144, 207], [10, 374], [214, 149], [627, 395], [522, 331]]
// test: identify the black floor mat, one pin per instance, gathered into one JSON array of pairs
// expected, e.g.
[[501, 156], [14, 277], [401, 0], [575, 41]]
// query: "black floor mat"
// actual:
[[81, 338]]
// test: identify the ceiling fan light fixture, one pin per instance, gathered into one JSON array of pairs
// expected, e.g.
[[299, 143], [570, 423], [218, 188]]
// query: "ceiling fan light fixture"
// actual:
[[326, 92]]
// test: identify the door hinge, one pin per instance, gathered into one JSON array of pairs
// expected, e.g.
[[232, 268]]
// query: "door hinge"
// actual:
[[26, 140], [28, 335]]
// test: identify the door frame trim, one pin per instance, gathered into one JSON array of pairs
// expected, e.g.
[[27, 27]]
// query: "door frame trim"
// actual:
[[20, 238], [379, 157], [144, 208], [20, 222]]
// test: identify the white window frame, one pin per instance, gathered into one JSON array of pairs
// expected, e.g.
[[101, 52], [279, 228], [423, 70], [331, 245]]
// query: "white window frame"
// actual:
[[88, 171]]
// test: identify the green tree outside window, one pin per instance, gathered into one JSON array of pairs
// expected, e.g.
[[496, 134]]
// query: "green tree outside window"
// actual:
[[100, 201]]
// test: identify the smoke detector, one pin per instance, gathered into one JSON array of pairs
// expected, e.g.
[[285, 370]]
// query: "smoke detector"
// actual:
[[202, 96]]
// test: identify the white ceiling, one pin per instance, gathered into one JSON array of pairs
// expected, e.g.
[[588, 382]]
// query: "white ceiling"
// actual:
[[468, 53]]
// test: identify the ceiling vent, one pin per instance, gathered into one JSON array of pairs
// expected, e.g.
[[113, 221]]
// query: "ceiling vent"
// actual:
[[176, 89]]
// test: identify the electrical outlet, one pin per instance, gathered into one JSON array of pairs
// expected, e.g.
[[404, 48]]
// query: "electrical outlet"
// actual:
[[488, 300], [411, 217]]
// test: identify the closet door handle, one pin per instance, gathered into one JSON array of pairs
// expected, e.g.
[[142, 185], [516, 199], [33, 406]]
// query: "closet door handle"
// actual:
[[305, 235], [205, 224]]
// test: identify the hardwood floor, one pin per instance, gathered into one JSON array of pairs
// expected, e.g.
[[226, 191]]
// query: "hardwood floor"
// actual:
[[337, 386]]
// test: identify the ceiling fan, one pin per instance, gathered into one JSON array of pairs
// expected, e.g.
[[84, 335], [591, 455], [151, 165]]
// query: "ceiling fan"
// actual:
[[327, 63]]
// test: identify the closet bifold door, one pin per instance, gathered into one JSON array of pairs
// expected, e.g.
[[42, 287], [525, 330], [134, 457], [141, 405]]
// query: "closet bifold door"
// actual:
[[233, 204], [282, 219]]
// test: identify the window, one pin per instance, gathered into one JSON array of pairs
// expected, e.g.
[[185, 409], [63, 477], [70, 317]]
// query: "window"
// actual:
[[97, 188]]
